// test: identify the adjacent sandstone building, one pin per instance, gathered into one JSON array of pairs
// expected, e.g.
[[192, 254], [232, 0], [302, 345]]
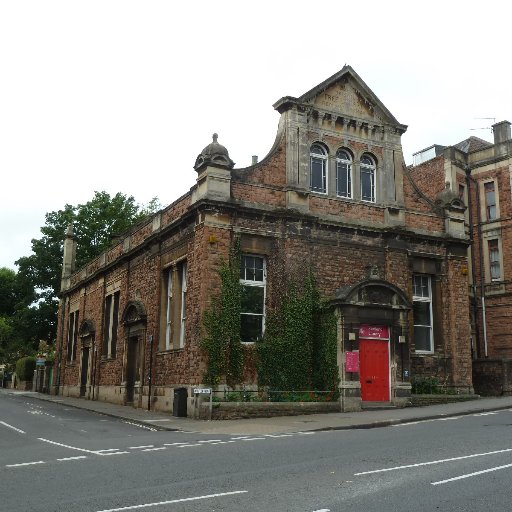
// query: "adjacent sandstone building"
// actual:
[[480, 174], [387, 246]]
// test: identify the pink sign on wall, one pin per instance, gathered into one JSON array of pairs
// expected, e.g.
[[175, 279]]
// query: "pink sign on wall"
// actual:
[[352, 361], [376, 332]]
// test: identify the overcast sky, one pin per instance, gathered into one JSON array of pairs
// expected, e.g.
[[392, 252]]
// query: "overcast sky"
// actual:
[[122, 95]]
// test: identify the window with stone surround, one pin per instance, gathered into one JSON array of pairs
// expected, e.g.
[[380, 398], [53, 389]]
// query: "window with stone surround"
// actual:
[[253, 281], [494, 259], [72, 336], [422, 313], [490, 200], [318, 168], [367, 172], [111, 324], [175, 305], [343, 174]]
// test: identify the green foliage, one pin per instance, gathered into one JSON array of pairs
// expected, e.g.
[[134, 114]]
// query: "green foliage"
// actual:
[[16, 297], [299, 347], [425, 386], [222, 345], [95, 223], [25, 368]]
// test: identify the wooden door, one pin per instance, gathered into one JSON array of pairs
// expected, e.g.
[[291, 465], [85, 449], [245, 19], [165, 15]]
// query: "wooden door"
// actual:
[[374, 370]]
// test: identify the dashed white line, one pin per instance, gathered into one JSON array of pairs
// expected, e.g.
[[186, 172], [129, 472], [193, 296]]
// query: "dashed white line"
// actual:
[[154, 449], [141, 447], [24, 464], [188, 445], [211, 441], [252, 439], [113, 453], [107, 450], [485, 414], [169, 502], [441, 461], [73, 458], [14, 428], [174, 444], [469, 475]]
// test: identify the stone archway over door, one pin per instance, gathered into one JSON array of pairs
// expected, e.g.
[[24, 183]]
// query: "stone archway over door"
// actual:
[[134, 320], [373, 355]]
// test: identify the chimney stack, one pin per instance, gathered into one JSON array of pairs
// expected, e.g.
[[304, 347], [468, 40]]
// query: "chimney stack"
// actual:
[[501, 131]]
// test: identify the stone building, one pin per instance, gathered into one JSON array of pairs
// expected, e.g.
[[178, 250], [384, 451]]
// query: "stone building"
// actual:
[[480, 174], [387, 246]]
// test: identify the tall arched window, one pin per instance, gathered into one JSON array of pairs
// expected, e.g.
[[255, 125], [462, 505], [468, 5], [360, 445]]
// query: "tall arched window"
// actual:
[[367, 169], [343, 174], [318, 168]]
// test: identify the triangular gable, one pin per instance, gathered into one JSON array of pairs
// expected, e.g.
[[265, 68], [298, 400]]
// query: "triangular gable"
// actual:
[[345, 94]]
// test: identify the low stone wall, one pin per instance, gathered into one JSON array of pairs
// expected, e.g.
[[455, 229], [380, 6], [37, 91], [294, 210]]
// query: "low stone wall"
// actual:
[[424, 400], [492, 377], [238, 410]]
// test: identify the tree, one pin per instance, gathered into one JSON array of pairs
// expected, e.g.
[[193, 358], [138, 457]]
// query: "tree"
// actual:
[[16, 295], [95, 224]]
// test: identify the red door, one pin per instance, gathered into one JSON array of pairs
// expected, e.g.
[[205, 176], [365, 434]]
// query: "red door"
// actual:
[[374, 370]]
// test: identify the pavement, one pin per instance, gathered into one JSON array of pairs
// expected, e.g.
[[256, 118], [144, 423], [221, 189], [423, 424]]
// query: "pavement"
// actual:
[[282, 424]]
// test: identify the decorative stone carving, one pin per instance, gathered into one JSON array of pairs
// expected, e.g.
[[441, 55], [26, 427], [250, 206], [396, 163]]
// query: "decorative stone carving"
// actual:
[[214, 154]]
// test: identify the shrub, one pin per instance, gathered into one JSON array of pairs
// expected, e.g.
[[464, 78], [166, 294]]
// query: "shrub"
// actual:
[[425, 386], [25, 368]]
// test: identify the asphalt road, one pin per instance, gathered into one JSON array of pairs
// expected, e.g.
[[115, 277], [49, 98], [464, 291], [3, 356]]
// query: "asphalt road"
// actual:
[[54, 458]]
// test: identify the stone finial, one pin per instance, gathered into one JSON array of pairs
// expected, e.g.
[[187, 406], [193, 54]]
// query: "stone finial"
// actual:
[[215, 155]]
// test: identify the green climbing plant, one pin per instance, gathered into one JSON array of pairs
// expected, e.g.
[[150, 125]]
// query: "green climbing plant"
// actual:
[[298, 351], [221, 343]]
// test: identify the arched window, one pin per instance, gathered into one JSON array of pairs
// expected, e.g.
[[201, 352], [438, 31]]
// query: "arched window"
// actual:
[[367, 169], [343, 174], [318, 168]]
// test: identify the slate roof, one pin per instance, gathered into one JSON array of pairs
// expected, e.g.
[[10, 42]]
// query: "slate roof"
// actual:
[[472, 144]]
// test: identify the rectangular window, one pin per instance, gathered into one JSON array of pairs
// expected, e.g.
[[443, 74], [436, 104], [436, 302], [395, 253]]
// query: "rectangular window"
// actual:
[[368, 184], [318, 174], [494, 260], [176, 306], [111, 324], [344, 179], [253, 281], [72, 335], [490, 200], [462, 192], [422, 313]]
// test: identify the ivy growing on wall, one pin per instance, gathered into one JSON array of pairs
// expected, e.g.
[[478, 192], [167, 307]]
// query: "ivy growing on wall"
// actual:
[[224, 350], [299, 347], [298, 351]]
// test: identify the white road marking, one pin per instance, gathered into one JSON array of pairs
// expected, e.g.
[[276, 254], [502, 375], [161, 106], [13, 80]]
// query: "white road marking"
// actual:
[[469, 475], [67, 446], [278, 435], [449, 418], [323, 510], [151, 421], [252, 439], [112, 453], [107, 450], [224, 442], [139, 425], [441, 461], [24, 464], [188, 445], [174, 444], [307, 434], [14, 428], [485, 414], [211, 441], [73, 458], [155, 449], [182, 500], [140, 447]]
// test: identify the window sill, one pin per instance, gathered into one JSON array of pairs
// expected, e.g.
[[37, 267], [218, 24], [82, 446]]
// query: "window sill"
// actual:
[[170, 351]]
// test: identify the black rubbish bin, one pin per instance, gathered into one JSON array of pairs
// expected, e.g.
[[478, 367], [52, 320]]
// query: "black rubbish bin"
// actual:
[[179, 407]]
